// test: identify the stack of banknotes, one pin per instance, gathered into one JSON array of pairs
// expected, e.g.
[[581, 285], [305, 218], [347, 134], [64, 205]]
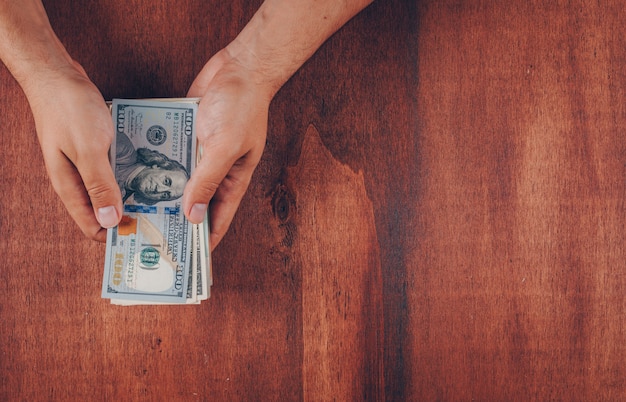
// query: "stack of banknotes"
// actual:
[[154, 255]]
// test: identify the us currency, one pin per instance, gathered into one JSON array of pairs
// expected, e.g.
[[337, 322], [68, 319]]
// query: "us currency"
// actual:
[[199, 276], [155, 256]]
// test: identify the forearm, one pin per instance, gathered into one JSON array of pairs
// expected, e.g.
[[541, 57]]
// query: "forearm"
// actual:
[[29, 48], [283, 34]]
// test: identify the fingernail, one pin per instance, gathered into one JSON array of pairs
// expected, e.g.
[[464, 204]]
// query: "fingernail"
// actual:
[[197, 213], [107, 216]]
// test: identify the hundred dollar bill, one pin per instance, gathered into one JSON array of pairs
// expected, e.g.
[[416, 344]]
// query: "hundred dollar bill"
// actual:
[[198, 275], [149, 255]]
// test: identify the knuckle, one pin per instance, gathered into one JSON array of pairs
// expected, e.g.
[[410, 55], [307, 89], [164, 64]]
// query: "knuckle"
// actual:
[[99, 193], [234, 187], [205, 189], [95, 145], [216, 237], [94, 232]]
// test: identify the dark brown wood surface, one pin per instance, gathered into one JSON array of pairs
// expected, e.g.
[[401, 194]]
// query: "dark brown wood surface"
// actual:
[[438, 215]]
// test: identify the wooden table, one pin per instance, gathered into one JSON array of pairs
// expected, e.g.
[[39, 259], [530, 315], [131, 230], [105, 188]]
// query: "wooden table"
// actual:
[[438, 215]]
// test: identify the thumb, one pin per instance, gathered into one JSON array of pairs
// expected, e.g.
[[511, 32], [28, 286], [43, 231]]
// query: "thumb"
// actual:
[[102, 189], [204, 182], [223, 184]]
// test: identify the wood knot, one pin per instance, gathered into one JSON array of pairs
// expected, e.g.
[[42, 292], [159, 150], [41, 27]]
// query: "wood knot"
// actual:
[[283, 207], [283, 203]]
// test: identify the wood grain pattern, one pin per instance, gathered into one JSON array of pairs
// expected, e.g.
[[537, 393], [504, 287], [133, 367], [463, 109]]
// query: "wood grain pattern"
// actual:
[[522, 207], [438, 215], [341, 292]]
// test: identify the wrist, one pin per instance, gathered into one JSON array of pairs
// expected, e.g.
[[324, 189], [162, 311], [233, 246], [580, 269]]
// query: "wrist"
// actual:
[[244, 66], [30, 49], [275, 42], [283, 34], [50, 81], [268, 77]]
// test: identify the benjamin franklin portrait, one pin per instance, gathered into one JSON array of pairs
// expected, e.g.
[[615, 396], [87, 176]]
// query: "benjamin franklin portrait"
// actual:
[[147, 175]]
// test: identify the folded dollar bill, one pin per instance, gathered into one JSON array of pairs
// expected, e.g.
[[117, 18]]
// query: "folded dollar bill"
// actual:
[[154, 255]]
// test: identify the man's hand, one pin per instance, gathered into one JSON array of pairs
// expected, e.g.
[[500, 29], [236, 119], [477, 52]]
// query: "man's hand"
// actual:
[[73, 122], [231, 128], [75, 132], [237, 86]]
